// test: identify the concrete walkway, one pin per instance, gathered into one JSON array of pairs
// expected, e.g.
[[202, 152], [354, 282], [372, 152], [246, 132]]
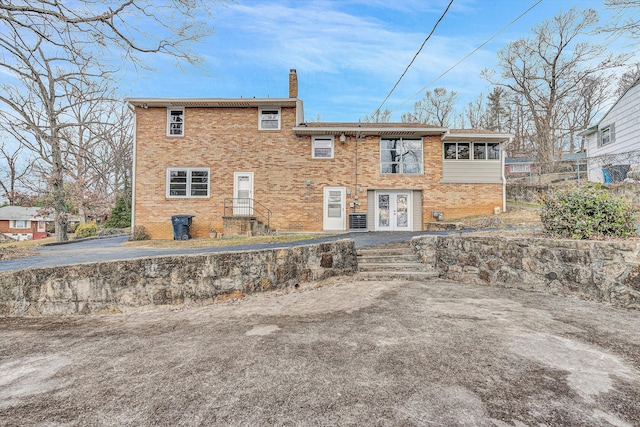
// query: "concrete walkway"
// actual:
[[347, 354], [108, 249]]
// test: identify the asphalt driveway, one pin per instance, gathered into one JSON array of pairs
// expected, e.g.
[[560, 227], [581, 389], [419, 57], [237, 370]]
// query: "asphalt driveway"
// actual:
[[107, 249], [349, 353]]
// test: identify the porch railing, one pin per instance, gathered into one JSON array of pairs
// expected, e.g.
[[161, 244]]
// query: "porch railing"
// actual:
[[243, 207]]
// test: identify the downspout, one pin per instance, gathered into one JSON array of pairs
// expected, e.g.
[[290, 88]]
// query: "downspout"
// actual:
[[133, 169], [504, 178]]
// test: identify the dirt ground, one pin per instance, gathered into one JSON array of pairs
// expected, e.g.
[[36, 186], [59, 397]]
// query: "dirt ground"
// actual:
[[346, 353]]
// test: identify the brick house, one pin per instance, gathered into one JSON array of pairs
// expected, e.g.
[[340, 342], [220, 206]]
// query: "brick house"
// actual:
[[23, 223], [229, 161]]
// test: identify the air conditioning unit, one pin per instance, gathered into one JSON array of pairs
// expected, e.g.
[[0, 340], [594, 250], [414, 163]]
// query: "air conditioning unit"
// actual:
[[357, 222]]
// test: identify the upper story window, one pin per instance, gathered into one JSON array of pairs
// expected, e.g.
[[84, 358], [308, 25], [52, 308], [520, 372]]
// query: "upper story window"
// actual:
[[269, 118], [471, 151], [486, 151], [606, 135], [401, 155], [19, 223], [175, 121], [322, 147], [187, 182]]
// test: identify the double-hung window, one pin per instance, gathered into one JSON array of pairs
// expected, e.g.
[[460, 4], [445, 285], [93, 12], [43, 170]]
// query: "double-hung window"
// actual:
[[20, 223], [401, 155], [175, 121], [322, 147], [269, 118], [187, 182], [606, 135]]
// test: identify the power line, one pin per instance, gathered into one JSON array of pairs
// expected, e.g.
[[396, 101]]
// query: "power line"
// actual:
[[465, 58], [415, 56]]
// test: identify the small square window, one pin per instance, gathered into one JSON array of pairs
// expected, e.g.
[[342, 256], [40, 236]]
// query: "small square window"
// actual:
[[269, 119], [322, 147], [175, 121]]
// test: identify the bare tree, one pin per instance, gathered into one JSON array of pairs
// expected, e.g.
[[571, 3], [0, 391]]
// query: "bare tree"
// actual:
[[628, 79], [437, 108], [378, 117], [51, 50], [549, 68], [14, 171], [626, 20], [476, 113]]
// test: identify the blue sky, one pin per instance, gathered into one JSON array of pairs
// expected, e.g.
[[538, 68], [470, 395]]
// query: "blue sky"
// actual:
[[348, 53]]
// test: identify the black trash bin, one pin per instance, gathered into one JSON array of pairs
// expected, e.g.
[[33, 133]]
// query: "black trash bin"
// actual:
[[181, 226]]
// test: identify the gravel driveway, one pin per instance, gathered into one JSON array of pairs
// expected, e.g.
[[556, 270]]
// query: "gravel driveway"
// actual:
[[348, 353]]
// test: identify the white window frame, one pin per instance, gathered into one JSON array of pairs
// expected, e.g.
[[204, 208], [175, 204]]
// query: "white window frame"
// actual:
[[189, 182], [402, 163], [26, 222], [610, 132], [265, 109], [444, 152], [322, 138], [170, 110]]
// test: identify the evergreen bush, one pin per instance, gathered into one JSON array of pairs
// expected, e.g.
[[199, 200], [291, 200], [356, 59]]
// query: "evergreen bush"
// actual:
[[586, 212], [120, 215]]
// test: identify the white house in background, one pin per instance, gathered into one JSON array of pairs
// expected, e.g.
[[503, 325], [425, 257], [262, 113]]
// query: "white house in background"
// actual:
[[613, 144], [23, 223]]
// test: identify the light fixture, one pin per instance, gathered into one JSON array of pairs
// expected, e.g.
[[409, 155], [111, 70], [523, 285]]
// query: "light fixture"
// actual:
[[343, 138]]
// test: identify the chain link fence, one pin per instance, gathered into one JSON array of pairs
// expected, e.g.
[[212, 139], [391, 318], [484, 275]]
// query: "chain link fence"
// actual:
[[575, 168]]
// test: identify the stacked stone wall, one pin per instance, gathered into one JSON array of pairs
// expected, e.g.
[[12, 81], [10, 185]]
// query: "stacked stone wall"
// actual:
[[112, 286], [603, 271]]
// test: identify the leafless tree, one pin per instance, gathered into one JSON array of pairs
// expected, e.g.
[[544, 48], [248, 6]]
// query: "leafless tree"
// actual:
[[549, 68], [626, 19], [437, 108], [378, 117], [15, 168], [476, 113], [628, 79], [51, 50]]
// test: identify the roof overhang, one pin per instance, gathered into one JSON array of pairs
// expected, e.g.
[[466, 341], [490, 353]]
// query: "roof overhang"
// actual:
[[471, 136], [357, 129], [212, 102], [589, 131]]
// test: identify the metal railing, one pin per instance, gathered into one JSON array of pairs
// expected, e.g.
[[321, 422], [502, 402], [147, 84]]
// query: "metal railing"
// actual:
[[244, 207]]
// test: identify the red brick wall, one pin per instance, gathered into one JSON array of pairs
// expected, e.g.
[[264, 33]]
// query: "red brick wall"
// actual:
[[228, 140]]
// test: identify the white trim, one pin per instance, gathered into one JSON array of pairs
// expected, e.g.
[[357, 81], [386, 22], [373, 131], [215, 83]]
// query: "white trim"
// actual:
[[322, 138], [401, 162], [188, 182], [169, 116], [392, 206], [261, 109], [26, 222], [133, 170], [334, 224], [240, 208]]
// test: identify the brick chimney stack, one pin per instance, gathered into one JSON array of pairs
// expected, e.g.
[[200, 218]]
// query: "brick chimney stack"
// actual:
[[293, 83]]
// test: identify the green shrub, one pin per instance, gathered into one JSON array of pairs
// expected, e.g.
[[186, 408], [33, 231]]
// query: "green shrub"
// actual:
[[586, 212], [87, 230], [139, 233]]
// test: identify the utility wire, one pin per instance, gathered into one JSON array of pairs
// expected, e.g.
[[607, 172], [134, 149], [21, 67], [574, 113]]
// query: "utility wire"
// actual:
[[465, 58], [415, 56]]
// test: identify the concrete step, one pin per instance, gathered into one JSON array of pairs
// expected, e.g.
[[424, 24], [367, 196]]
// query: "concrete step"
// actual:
[[396, 275], [388, 258], [385, 251], [396, 266]]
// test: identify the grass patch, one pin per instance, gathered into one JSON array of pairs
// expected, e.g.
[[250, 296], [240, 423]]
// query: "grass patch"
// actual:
[[232, 241]]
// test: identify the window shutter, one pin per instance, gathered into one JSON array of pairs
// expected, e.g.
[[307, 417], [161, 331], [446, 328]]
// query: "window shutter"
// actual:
[[612, 133], [599, 138]]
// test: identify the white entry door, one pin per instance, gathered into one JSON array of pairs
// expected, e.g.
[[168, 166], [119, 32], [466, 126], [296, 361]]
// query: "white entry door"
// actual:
[[243, 193], [393, 211], [334, 208]]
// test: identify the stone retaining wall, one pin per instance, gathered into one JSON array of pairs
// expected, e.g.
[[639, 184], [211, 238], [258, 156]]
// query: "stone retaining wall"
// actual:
[[110, 286], [602, 271], [530, 193]]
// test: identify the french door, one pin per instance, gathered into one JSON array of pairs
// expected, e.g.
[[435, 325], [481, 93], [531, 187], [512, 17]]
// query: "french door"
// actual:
[[393, 211]]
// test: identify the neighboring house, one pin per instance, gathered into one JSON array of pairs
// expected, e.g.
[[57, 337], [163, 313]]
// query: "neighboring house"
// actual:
[[23, 223], [613, 145], [226, 161]]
